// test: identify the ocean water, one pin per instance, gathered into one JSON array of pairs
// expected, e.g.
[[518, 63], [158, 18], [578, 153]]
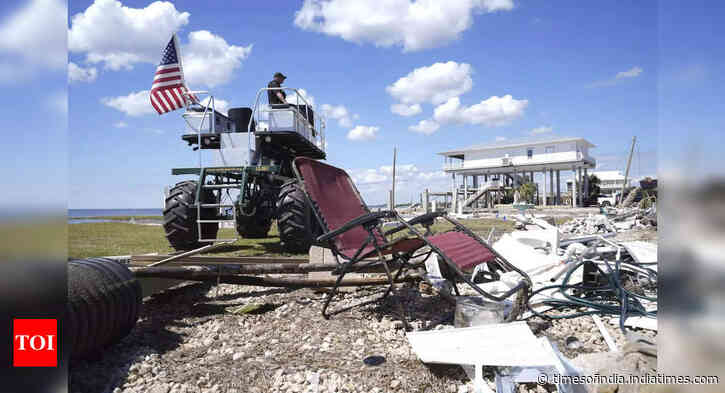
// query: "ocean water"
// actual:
[[72, 213]]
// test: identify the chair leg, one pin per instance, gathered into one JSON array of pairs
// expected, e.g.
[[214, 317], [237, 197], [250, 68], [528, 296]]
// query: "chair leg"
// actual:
[[333, 291], [392, 283], [455, 287]]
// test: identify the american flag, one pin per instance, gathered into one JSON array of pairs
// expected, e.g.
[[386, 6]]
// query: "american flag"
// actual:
[[168, 90]]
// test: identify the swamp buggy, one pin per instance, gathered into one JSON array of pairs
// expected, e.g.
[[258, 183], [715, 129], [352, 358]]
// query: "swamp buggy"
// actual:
[[250, 182]]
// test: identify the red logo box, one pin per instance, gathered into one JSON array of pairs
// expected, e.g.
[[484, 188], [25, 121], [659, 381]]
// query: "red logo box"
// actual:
[[35, 343]]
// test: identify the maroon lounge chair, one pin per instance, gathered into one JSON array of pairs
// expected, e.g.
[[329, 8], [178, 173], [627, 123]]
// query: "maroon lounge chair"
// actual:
[[353, 234]]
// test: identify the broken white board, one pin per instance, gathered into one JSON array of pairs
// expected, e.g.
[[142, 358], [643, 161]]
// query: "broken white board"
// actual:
[[507, 344], [642, 252], [508, 377]]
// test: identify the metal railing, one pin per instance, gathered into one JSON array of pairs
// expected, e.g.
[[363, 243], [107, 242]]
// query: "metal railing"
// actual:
[[191, 116], [453, 165], [264, 113], [195, 120]]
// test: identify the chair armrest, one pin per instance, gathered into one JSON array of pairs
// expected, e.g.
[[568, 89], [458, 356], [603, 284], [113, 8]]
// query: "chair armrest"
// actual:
[[424, 219], [365, 219]]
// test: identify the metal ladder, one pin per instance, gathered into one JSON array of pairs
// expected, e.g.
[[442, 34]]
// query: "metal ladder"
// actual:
[[199, 206], [202, 185]]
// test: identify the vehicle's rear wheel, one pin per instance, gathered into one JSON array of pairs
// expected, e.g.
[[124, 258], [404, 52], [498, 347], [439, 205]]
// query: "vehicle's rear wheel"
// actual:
[[296, 222], [255, 224], [180, 214], [253, 227]]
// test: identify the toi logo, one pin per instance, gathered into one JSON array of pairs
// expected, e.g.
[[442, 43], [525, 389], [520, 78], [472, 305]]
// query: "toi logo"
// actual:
[[35, 343]]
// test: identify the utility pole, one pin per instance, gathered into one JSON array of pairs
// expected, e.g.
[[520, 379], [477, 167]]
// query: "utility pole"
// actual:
[[395, 153], [626, 171]]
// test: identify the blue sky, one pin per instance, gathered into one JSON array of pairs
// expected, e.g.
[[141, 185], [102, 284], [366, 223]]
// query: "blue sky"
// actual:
[[604, 71]]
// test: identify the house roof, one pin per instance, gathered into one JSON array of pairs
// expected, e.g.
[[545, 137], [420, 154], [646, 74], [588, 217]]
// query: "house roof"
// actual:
[[520, 142]]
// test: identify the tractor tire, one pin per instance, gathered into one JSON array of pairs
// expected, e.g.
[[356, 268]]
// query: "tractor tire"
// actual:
[[104, 301], [180, 217], [252, 227], [296, 222]]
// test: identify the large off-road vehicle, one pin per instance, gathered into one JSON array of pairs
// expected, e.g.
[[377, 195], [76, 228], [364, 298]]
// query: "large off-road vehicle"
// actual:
[[250, 182]]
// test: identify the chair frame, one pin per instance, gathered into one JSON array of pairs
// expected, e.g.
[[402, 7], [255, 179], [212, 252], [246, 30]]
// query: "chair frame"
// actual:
[[370, 222]]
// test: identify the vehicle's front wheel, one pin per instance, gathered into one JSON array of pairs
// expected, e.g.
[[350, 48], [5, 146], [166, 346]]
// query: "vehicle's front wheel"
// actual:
[[180, 214]]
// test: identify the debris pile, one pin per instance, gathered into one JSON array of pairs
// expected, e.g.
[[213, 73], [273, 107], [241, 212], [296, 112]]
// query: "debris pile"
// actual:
[[591, 224], [612, 220], [586, 278]]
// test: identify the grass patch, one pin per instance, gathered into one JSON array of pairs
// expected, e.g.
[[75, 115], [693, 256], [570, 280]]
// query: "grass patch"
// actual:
[[116, 238], [118, 218]]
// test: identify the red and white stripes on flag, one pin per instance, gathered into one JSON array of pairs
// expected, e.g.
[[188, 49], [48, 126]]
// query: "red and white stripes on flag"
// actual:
[[168, 91]]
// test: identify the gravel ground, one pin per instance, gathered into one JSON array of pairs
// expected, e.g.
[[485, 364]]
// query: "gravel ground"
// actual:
[[190, 339], [193, 338]]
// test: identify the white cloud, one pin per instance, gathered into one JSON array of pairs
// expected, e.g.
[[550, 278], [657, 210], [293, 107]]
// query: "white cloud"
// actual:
[[120, 124], [367, 176], [138, 104], [630, 73], [410, 181], [363, 133], [339, 113], [494, 111], [622, 75], [292, 98], [221, 106], [33, 40], [209, 61], [119, 37], [500, 138], [406, 110], [541, 130], [425, 127], [134, 104], [432, 175], [414, 25], [80, 74], [400, 170], [435, 84]]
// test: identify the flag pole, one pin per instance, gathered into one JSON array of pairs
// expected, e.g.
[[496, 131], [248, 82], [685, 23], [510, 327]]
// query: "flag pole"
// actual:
[[187, 98]]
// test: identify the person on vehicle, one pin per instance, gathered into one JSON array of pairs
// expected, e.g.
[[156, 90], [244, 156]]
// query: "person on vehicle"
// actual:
[[277, 97]]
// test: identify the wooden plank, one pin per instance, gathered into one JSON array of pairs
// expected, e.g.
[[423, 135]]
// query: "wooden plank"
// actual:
[[201, 273], [144, 260], [253, 269]]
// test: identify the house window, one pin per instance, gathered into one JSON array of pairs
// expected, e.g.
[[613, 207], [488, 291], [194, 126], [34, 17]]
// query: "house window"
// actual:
[[530, 152], [549, 149]]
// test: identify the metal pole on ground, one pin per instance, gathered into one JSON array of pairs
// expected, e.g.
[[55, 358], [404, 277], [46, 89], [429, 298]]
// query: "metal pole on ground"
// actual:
[[626, 172]]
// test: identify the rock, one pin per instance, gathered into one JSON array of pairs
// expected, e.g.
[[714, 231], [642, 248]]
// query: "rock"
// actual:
[[160, 388], [237, 356], [394, 384]]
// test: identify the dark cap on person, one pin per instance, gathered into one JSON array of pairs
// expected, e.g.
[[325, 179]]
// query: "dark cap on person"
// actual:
[[279, 74]]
